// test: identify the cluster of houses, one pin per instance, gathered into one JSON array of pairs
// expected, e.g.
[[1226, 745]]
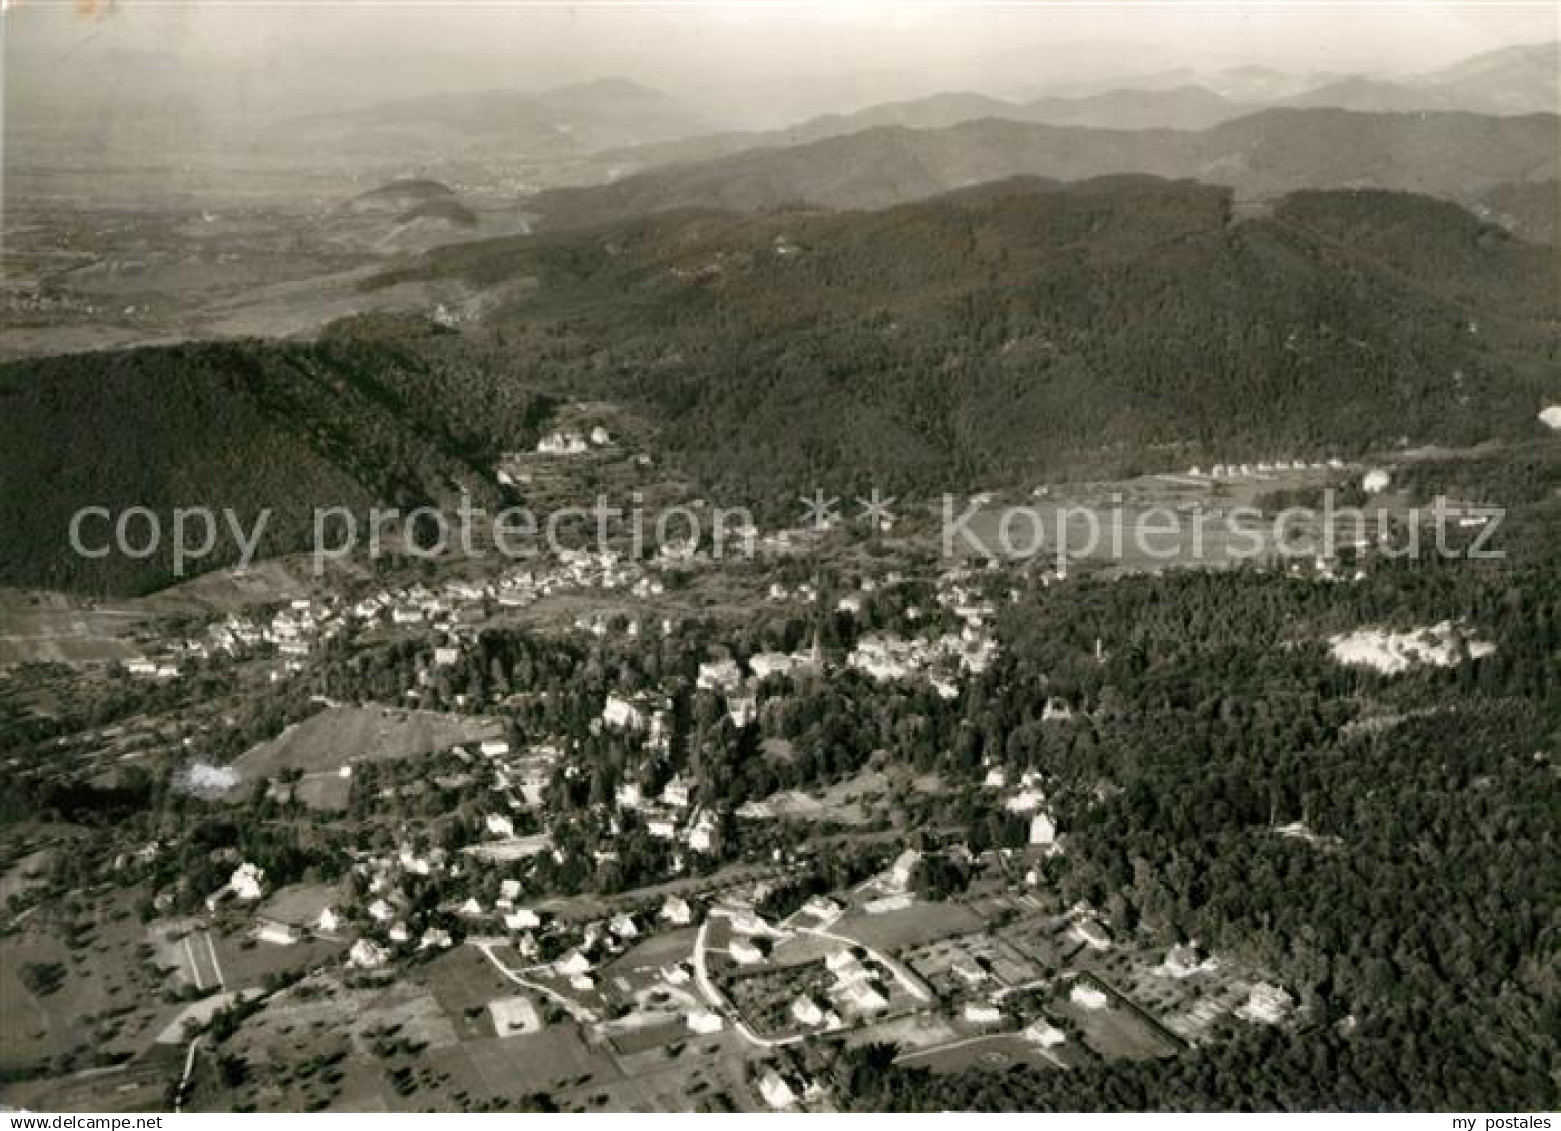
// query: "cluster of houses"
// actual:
[[455, 608], [569, 442], [726, 678], [1263, 467], [292, 631], [1028, 798], [672, 815], [942, 659]]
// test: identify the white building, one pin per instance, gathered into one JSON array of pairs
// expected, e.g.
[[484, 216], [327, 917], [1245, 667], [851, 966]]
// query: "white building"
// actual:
[[776, 1091], [245, 883], [1043, 830], [1088, 997], [807, 1011], [277, 934], [1043, 1034], [621, 714], [719, 675], [367, 955], [677, 794], [1266, 1005], [624, 927], [745, 953], [766, 664]]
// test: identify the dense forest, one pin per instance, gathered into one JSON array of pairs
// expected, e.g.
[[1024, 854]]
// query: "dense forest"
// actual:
[[1022, 328], [357, 420]]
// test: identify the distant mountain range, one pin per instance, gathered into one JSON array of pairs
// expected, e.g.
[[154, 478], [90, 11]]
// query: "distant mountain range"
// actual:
[[1452, 155], [1524, 79], [629, 127], [1516, 80], [1182, 108], [568, 120]]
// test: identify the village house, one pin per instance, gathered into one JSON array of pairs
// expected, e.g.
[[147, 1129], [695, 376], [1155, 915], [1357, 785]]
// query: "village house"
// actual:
[[704, 834], [624, 927], [823, 908], [1043, 830], [367, 955], [1185, 961], [766, 664], [1089, 997], [777, 1091], [807, 1011], [864, 996], [1266, 1005], [904, 868], [1092, 934], [978, 1013], [719, 675], [621, 714], [745, 953], [275, 933], [677, 793], [1044, 1034]]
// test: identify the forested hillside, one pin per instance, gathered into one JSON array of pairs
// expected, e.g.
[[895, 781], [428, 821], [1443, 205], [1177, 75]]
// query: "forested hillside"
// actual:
[[1417, 919], [1444, 154], [1015, 329], [244, 425], [1022, 328]]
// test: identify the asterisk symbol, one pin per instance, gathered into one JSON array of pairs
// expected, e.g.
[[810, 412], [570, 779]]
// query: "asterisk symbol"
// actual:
[[875, 509], [819, 509]]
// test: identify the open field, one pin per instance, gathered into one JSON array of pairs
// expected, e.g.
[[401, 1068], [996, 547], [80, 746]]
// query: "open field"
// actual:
[[920, 923], [1117, 1031], [84, 994], [84, 278], [52, 628], [998, 1052], [339, 736]]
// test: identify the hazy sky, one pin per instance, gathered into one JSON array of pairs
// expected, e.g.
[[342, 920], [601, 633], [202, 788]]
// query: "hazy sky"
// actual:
[[749, 57]]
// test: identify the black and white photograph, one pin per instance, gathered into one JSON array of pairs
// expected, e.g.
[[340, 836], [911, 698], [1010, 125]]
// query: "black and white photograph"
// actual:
[[751, 556]]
